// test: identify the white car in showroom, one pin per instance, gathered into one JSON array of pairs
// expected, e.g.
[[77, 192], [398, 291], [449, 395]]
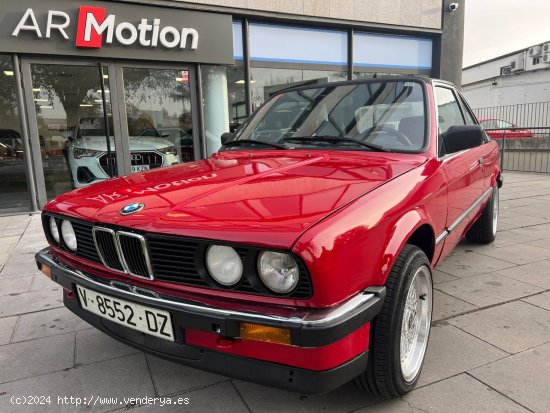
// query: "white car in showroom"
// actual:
[[87, 154]]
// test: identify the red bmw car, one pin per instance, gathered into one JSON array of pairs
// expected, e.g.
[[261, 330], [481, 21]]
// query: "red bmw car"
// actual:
[[300, 255]]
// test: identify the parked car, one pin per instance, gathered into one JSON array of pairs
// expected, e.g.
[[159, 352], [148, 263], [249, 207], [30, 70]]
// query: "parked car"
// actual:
[[301, 254], [4, 151], [11, 146], [87, 153], [506, 129]]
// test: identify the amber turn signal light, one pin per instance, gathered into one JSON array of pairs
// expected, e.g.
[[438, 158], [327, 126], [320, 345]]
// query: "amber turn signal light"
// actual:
[[46, 270], [265, 333]]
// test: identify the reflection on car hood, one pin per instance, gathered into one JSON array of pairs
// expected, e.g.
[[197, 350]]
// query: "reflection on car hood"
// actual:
[[239, 196], [137, 143]]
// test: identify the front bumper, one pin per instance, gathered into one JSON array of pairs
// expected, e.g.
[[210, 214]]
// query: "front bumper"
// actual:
[[309, 328]]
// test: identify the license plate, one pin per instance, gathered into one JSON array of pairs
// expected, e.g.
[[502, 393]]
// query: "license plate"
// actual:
[[140, 168], [148, 320]]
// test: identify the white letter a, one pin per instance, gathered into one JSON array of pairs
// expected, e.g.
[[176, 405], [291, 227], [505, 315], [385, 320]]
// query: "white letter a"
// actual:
[[23, 26]]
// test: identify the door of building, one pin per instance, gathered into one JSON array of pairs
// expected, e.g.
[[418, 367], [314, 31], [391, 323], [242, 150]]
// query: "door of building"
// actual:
[[89, 122], [14, 182]]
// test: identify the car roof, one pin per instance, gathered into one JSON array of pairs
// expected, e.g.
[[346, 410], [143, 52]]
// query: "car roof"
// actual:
[[418, 79]]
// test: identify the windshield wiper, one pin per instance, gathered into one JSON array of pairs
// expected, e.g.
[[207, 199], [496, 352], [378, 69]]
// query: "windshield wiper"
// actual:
[[240, 142], [333, 140]]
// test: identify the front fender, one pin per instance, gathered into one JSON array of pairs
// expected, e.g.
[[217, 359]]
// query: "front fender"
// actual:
[[400, 233], [356, 247]]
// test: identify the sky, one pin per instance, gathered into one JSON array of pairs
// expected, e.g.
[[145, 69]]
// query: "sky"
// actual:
[[496, 27]]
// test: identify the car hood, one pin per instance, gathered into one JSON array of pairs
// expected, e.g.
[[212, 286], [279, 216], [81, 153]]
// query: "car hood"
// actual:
[[137, 143], [265, 199]]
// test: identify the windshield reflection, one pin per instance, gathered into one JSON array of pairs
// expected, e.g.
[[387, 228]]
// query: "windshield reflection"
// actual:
[[385, 115]]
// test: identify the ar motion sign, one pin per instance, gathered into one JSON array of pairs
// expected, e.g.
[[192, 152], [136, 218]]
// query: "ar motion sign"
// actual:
[[93, 23]]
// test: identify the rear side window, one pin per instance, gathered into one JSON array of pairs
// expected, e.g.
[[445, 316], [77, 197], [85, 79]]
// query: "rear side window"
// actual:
[[449, 113]]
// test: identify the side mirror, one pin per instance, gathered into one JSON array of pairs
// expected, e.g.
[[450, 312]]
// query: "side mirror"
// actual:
[[461, 137], [226, 137]]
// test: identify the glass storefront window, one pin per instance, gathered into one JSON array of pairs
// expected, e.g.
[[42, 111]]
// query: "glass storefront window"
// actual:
[[158, 115], [224, 102], [14, 193], [71, 126], [268, 81], [236, 96], [376, 75], [390, 52]]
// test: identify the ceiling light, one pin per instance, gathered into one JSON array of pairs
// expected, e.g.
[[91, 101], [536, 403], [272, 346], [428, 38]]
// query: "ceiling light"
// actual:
[[36, 89], [41, 100], [99, 91], [100, 101], [8, 72], [241, 82], [105, 76], [85, 105], [46, 107]]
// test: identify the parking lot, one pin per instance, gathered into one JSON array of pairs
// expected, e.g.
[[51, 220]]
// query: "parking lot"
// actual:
[[489, 348]]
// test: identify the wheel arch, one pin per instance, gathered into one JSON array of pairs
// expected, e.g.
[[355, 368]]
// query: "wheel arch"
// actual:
[[413, 228], [424, 238]]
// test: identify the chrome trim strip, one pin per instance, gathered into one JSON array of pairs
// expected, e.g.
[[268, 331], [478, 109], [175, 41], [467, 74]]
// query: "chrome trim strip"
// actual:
[[98, 249], [302, 318], [461, 217], [144, 250], [449, 156], [441, 237]]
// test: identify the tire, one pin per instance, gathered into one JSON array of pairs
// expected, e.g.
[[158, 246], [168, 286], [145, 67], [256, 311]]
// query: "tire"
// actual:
[[387, 374], [484, 230]]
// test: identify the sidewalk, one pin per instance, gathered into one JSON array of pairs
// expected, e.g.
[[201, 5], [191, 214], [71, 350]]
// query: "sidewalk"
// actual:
[[489, 348]]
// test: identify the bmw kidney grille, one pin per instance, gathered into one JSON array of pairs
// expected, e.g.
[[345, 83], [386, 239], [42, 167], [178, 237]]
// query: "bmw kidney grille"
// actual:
[[123, 251]]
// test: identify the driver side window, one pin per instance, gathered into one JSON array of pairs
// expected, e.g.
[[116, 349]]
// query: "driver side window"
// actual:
[[449, 113]]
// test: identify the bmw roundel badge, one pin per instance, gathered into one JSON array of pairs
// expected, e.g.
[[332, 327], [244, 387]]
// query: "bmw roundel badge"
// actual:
[[131, 208]]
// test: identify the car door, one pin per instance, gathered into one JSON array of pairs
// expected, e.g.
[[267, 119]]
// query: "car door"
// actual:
[[489, 155], [464, 170]]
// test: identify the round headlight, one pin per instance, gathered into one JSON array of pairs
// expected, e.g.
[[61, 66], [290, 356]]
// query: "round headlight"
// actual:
[[224, 264], [68, 234], [54, 230], [278, 271]]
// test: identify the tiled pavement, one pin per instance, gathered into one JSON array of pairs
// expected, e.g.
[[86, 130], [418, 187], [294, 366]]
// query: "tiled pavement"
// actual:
[[489, 349]]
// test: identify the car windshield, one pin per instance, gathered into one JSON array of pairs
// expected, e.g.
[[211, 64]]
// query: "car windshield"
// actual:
[[383, 115]]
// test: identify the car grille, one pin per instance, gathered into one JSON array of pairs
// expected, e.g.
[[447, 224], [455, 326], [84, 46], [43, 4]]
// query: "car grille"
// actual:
[[105, 242], [168, 258], [86, 248], [153, 159], [122, 251]]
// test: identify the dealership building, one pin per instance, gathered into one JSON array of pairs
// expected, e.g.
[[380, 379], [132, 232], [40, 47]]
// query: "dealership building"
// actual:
[[108, 88]]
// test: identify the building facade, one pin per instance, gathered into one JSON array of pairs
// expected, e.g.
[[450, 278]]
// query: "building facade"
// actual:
[[521, 77], [111, 88]]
